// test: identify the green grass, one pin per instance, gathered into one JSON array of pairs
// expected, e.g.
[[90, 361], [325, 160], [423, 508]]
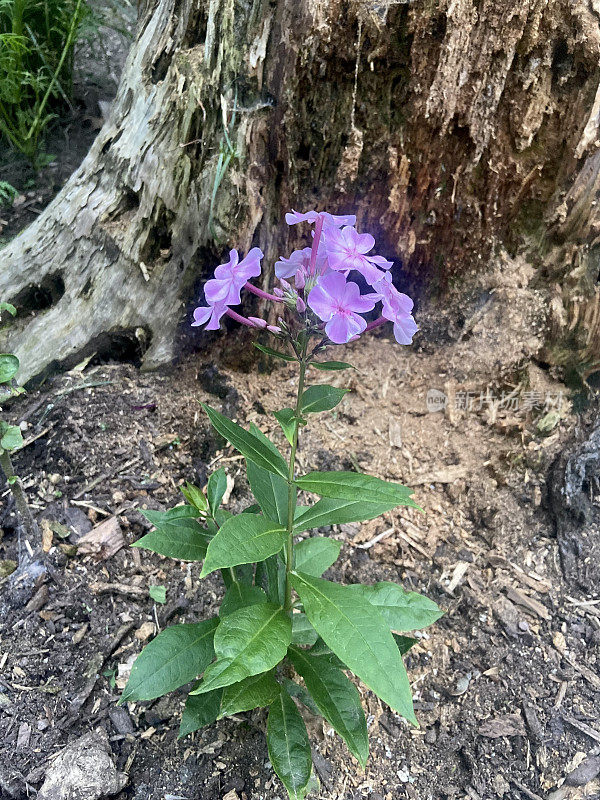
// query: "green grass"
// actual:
[[37, 39]]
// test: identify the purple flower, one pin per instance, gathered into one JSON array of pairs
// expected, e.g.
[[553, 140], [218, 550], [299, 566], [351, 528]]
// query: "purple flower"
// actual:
[[225, 287], [288, 267], [346, 250], [338, 304], [329, 220], [210, 314], [297, 266], [396, 307]]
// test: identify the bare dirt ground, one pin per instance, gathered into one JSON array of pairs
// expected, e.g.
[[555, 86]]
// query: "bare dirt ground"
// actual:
[[506, 684]]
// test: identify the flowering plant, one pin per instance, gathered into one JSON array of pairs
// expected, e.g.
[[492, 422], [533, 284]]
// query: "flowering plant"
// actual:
[[279, 617]]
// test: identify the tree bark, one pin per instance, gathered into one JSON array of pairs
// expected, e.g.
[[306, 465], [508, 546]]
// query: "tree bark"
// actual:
[[454, 129]]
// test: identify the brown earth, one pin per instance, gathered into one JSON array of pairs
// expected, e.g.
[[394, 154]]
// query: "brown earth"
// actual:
[[504, 684]]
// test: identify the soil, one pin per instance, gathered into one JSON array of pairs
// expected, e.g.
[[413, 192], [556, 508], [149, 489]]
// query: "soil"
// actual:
[[504, 684]]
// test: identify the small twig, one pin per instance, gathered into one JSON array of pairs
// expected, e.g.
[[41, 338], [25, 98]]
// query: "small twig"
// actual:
[[582, 727], [527, 792], [376, 539]]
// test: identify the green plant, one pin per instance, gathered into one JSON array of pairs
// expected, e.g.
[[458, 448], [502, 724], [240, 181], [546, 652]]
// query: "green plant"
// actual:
[[37, 39], [7, 193], [279, 617], [10, 435]]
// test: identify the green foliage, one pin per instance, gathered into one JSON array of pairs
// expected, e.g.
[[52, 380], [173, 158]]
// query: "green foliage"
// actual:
[[244, 539], [321, 398], [249, 446], [274, 353], [195, 498], [353, 485], [7, 196], [179, 537], [402, 610], [9, 366], [243, 658], [338, 512], [215, 489], [247, 642], [257, 691], [8, 306], [359, 636], [10, 436], [288, 745], [37, 41], [287, 419], [336, 698], [314, 556], [330, 366], [175, 657], [158, 594]]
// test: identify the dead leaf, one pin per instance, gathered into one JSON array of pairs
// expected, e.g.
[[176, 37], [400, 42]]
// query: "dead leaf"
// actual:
[[47, 536], [145, 631], [103, 541], [507, 725]]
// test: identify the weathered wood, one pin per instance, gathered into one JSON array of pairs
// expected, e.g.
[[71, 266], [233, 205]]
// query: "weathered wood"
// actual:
[[452, 128]]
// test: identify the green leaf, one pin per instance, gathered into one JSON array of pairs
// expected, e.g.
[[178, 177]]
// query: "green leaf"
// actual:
[[195, 496], [158, 594], [321, 649], [288, 745], [321, 398], [330, 366], [243, 539], [10, 437], [336, 698], [216, 488], [302, 631], [275, 353], [275, 568], [182, 538], [200, 710], [404, 643], [356, 486], [240, 595], [247, 642], [254, 692], [9, 366], [177, 512], [287, 419], [313, 556], [8, 307], [402, 610], [247, 444], [301, 694], [337, 512], [271, 491], [359, 636], [176, 656]]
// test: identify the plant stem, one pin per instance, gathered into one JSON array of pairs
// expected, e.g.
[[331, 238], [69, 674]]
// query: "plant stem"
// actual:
[[23, 510], [292, 491]]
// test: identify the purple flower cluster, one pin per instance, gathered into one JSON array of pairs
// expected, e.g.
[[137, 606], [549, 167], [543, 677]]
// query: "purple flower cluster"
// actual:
[[321, 295]]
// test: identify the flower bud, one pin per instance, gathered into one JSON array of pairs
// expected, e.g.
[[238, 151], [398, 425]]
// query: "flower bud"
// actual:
[[273, 329], [300, 305], [258, 322]]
